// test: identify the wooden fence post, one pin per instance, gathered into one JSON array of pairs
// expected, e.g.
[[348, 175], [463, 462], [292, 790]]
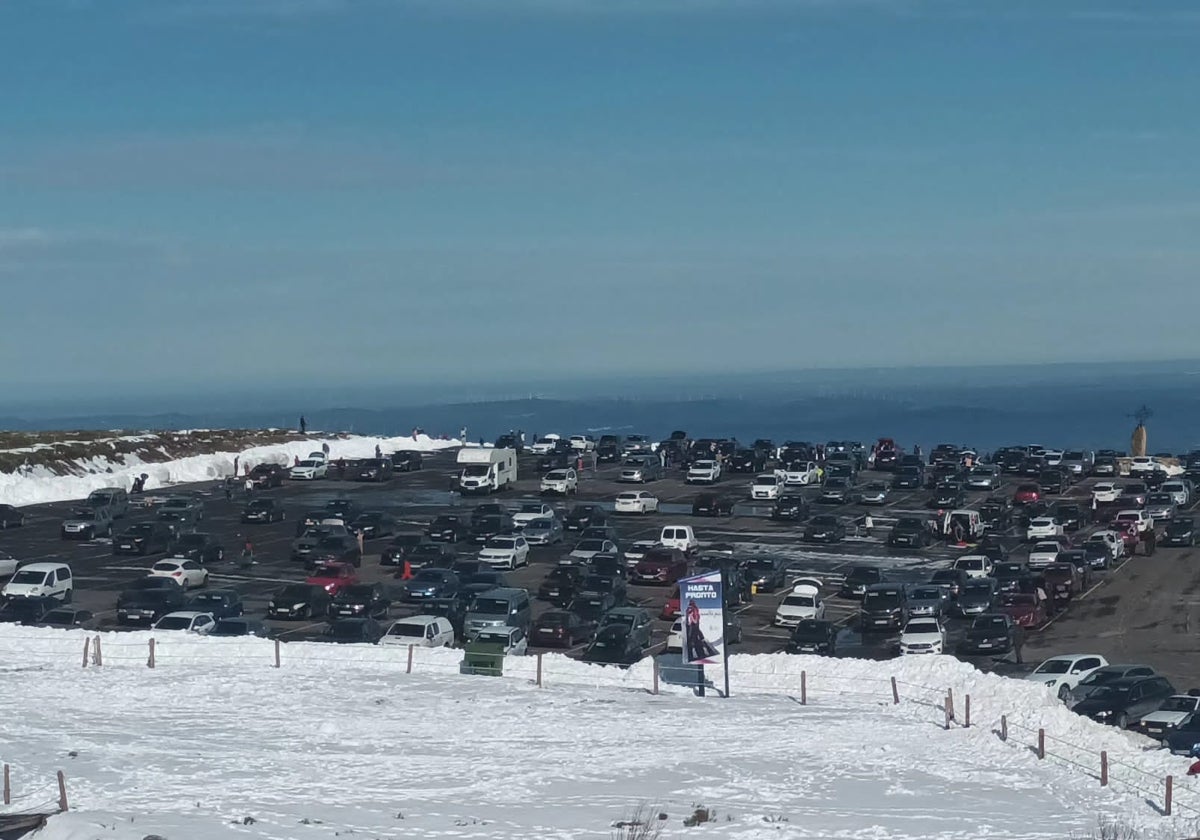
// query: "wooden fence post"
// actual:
[[87, 642], [1103, 768], [62, 792], [98, 659], [1003, 727], [1041, 752], [1170, 795], [539, 671], [895, 693], [408, 668], [946, 709], [950, 703], [655, 690], [804, 688], [967, 712], [150, 661], [278, 663], [7, 787]]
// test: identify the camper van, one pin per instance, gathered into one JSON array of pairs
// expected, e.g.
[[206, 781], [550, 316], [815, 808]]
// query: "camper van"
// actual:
[[486, 470]]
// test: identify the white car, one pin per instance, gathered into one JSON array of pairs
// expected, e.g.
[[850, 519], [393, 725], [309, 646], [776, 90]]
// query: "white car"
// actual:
[[585, 550], [1063, 673], [420, 630], [582, 443], [1178, 491], [1042, 527], [1052, 457], [1140, 518], [768, 485], [1043, 554], [1173, 711], [1106, 492], [636, 501], [187, 573], [922, 635], [545, 445], [975, 565], [513, 639], [505, 552], [316, 455], [310, 469], [560, 481], [675, 637], [531, 511], [1111, 540], [804, 601], [703, 472], [188, 621], [1142, 464], [800, 474]]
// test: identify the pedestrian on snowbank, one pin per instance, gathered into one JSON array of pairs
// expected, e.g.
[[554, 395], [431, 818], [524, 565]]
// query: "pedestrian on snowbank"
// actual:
[[325, 448], [378, 451], [303, 425]]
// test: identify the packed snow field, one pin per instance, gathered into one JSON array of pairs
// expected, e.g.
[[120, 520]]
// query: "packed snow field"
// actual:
[[215, 742], [41, 484]]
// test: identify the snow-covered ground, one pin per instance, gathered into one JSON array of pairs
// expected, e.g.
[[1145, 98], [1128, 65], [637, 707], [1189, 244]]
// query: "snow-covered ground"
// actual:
[[40, 484], [341, 741]]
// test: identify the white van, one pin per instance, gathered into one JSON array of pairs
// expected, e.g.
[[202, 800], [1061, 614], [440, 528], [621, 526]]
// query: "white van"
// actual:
[[486, 470], [41, 580], [681, 537], [420, 630]]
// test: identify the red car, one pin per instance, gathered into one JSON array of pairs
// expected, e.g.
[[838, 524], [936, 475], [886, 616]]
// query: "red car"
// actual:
[[1027, 494], [671, 610], [1024, 608], [333, 577], [661, 565]]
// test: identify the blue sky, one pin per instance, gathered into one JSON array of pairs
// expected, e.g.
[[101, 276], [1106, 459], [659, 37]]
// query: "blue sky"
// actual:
[[216, 192]]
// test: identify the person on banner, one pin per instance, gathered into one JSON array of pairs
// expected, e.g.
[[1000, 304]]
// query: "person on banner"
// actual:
[[697, 646]]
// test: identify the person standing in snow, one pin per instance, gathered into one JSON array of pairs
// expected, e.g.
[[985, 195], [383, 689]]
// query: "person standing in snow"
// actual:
[[235, 465], [378, 451], [303, 425], [325, 448], [462, 435]]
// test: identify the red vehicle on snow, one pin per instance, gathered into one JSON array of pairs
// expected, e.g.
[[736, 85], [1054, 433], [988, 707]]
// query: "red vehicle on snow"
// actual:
[[1025, 608]]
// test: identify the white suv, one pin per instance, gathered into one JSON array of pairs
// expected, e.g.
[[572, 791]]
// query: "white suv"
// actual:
[[560, 481]]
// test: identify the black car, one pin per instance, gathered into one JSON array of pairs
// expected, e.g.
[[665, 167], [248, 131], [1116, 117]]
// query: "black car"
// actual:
[[1124, 701], [360, 599], [992, 547], [148, 599], [342, 509], [431, 555], [910, 532], [373, 524], [613, 645], [335, 548], [561, 585], [591, 607], [448, 528], [581, 516], [977, 596], [560, 629], [353, 630], [748, 461], [266, 476], [996, 512], [68, 617], [558, 460], [790, 508], [593, 584], [487, 509], [144, 538], [825, 528], [608, 453], [299, 601], [1072, 516], [1052, 482], [198, 546], [711, 504], [607, 565], [1180, 530], [1011, 576], [370, 469], [766, 574], [492, 525], [27, 610], [909, 478], [947, 497], [401, 546], [1098, 555], [858, 579], [1182, 739], [484, 580], [813, 636], [953, 579], [11, 517], [993, 634], [263, 510], [222, 603], [407, 461], [239, 627], [884, 607], [429, 585]]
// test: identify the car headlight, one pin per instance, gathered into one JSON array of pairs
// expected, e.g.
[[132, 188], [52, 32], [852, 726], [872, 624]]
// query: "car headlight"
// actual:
[[1103, 713]]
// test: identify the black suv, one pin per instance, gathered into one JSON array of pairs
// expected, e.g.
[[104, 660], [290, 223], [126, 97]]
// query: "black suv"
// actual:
[[1181, 530], [406, 461], [448, 528], [910, 532], [884, 607], [790, 508], [198, 546], [267, 475], [298, 601], [148, 599], [858, 579], [583, 516], [144, 538], [360, 600]]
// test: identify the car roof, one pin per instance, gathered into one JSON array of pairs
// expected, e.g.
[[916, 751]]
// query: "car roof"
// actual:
[[41, 567], [186, 614]]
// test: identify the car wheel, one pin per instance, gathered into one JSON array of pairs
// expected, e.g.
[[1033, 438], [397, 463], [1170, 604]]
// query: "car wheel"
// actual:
[[1063, 692], [1122, 721], [68, 596]]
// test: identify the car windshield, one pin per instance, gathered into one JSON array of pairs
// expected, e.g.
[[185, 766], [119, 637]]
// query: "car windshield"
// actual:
[[824, 521], [909, 524], [502, 543], [173, 622], [1160, 499], [799, 601], [977, 590], [993, 623], [761, 564], [921, 627], [971, 563], [415, 631], [346, 630], [1054, 666], [1178, 704], [1110, 692], [766, 480], [1046, 548], [539, 525], [927, 594], [1020, 599], [881, 600], [557, 475], [28, 578], [490, 606], [293, 593], [590, 545]]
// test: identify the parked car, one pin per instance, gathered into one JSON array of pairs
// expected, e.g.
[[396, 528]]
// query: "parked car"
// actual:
[[65, 617], [505, 552], [813, 636], [993, 634], [563, 482], [263, 510], [360, 599], [265, 476], [1180, 531], [373, 524], [448, 528], [144, 538], [976, 597], [614, 645], [924, 635], [561, 585], [660, 566], [952, 579], [884, 607], [873, 493], [803, 602], [636, 501], [766, 574], [1062, 673], [634, 619], [188, 621], [333, 576], [219, 603], [928, 601], [429, 554], [545, 531], [11, 517], [201, 547], [27, 610], [310, 469], [407, 461], [975, 565], [1125, 701], [910, 532], [239, 627], [1164, 720], [638, 469], [825, 528], [353, 631], [186, 573], [299, 601], [421, 631], [1025, 608], [790, 507], [87, 523], [858, 579], [712, 504], [1103, 676], [148, 599]]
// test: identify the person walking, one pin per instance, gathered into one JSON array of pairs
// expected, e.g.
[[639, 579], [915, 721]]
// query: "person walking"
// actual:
[[325, 448], [235, 465], [249, 486], [303, 425], [462, 435], [1150, 541]]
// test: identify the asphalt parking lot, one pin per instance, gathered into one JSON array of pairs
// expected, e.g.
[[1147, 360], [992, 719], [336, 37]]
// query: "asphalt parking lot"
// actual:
[[1143, 611]]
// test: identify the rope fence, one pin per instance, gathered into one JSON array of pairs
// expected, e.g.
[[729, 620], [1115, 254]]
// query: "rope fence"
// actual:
[[48, 798]]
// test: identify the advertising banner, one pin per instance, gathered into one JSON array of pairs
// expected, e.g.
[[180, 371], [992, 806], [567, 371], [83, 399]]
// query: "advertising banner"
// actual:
[[702, 605]]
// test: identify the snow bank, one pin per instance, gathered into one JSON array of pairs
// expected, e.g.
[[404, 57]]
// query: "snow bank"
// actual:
[[41, 485]]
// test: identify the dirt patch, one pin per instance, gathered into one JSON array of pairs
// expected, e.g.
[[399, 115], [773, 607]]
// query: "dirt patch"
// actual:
[[64, 452]]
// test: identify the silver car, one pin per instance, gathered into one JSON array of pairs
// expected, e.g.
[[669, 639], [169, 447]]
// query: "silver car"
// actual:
[[1160, 506], [928, 600], [641, 468], [545, 530]]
